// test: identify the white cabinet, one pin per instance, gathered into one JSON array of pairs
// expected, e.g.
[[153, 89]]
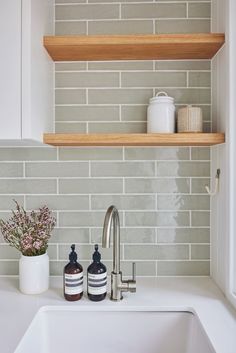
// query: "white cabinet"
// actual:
[[26, 71]]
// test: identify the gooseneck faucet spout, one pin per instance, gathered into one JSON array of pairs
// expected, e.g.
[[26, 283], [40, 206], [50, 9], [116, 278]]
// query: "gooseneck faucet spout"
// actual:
[[117, 284]]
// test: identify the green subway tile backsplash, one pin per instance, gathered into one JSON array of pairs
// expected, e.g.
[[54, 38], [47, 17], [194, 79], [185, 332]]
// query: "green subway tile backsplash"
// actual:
[[160, 192]]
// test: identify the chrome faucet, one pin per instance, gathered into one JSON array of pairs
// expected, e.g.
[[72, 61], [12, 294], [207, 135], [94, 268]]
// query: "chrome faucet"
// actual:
[[117, 284]]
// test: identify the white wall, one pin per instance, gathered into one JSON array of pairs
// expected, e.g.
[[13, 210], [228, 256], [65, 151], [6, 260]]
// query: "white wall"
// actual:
[[223, 157]]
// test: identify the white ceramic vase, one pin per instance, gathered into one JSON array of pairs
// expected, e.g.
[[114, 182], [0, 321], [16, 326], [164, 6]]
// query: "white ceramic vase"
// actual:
[[34, 274]]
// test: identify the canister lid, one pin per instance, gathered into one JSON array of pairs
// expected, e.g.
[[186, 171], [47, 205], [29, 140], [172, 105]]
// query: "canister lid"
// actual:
[[189, 107], [161, 97]]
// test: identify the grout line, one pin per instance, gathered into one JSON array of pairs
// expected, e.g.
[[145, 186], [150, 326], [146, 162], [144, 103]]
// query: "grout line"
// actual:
[[126, 243], [24, 170], [101, 210], [120, 112], [57, 186], [123, 260], [57, 250], [24, 202], [136, 87], [117, 19], [106, 105], [58, 219], [105, 177], [130, 71], [133, 3]]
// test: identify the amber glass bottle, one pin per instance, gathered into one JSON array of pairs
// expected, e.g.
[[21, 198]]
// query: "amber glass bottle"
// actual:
[[73, 278], [97, 278]]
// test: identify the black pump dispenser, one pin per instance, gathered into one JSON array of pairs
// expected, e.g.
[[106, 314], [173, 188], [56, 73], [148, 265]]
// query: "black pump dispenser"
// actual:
[[96, 254], [97, 278], [73, 256], [73, 278]]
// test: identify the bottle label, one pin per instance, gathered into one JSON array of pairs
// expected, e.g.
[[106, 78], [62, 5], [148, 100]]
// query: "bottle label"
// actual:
[[73, 283], [97, 284]]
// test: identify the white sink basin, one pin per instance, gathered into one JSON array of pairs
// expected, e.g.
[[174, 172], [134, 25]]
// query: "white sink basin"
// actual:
[[89, 330]]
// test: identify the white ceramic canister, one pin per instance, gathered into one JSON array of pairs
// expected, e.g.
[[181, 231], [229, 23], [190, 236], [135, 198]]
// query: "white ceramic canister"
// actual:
[[190, 119], [34, 274], [161, 114]]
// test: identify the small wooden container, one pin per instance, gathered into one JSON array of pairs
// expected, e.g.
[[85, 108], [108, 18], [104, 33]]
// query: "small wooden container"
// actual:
[[189, 119]]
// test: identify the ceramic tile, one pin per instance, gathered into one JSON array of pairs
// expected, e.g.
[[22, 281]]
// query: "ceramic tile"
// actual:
[[27, 186], [70, 235], [57, 169], [119, 128], [70, 128], [157, 185], [124, 169], [90, 186], [155, 79], [70, 28], [158, 218], [27, 153], [11, 170], [120, 27], [183, 235], [200, 252], [90, 153], [183, 268], [124, 202], [128, 235], [87, 113], [58, 202], [86, 79], [183, 26], [157, 153], [86, 12], [152, 10], [199, 10]]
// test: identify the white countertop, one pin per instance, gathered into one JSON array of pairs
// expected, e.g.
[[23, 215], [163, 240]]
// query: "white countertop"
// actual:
[[199, 295]]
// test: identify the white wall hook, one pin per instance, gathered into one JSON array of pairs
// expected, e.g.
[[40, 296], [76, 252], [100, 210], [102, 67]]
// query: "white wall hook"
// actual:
[[217, 177]]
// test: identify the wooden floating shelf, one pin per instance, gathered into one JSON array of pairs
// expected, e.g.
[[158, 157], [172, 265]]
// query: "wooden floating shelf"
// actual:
[[178, 139], [134, 47]]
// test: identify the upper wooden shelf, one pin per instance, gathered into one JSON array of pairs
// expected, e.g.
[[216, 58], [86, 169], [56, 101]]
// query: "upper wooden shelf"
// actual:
[[134, 47], [178, 139]]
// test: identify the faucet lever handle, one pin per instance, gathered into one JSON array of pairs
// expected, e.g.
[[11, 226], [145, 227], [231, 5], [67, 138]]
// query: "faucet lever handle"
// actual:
[[133, 271]]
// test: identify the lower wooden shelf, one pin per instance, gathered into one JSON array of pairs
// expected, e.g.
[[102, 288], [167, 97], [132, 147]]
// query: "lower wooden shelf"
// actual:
[[178, 139]]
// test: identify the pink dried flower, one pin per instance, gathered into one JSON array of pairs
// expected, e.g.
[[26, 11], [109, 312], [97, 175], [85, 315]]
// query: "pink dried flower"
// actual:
[[29, 233]]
